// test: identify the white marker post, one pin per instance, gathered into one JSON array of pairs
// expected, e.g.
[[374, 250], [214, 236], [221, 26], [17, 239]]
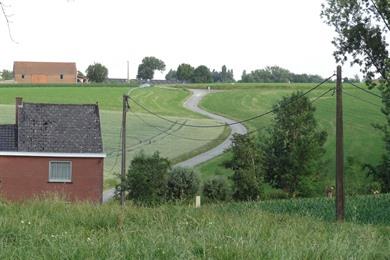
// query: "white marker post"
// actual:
[[197, 202]]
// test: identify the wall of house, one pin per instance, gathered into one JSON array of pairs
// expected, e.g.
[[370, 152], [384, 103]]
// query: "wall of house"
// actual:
[[43, 79], [28, 177]]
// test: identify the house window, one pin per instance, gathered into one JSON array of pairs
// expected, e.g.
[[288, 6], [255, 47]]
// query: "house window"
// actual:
[[60, 171], [22, 76], [62, 76]]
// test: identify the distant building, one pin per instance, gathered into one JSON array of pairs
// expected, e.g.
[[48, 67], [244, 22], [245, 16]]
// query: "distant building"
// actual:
[[45, 72]]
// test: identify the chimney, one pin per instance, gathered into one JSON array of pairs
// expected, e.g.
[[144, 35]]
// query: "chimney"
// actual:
[[19, 104]]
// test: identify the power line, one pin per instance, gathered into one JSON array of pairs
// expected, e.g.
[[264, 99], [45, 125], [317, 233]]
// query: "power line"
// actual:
[[311, 102], [365, 90], [174, 135], [117, 155], [361, 99], [226, 124]]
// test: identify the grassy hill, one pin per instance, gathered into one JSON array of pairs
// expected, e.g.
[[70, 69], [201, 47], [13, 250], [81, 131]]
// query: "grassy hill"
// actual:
[[362, 141], [254, 230]]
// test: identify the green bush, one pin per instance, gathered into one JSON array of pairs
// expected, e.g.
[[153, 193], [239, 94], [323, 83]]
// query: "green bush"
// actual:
[[146, 180], [216, 189], [247, 185], [182, 183]]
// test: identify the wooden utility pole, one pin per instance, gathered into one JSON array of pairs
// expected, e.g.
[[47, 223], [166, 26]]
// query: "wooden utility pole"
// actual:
[[123, 164], [339, 149]]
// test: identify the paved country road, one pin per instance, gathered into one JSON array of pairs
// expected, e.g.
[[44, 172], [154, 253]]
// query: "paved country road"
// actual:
[[192, 104]]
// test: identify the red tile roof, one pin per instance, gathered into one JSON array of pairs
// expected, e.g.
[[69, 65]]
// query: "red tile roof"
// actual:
[[48, 68]]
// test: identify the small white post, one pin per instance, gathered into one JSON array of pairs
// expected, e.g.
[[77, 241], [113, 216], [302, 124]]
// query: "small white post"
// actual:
[[197, 202]]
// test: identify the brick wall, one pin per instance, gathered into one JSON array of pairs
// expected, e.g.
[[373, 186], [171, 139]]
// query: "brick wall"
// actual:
[[27, 177], [43, 79]]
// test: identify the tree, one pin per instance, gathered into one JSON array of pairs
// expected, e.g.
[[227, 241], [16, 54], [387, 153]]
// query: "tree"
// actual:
[[148, 66], [278, 75], [362, 27], [7, 74], [216, 76], [147, 177], [202, 74], [97, 72], [248, 175], [185, 72], [293, 150], [7, 19], [182, 184], [171, 75], [216, 189], [224, 76]]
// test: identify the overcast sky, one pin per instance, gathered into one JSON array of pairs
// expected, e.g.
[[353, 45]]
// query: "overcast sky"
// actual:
[[243, 34]]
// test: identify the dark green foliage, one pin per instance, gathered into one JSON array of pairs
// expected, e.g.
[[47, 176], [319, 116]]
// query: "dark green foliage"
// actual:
[[97, 72], [246, 153], [147, 177], [182, 184], [381, 173], [148, 66], [361, 28], [202, 74], [224, 76], [6, 75], [171, 75], [279, 75], [247, 186], [355, 183], [185, 72], [248, 175], [292, 152], [216, 189]]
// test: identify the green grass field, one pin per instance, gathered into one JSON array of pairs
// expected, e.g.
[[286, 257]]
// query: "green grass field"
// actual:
[[145, 132], [238, 101], [362, 141], [290, 229]]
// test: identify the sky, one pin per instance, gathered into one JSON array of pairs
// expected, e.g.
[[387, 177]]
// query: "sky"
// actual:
[[241, 34]]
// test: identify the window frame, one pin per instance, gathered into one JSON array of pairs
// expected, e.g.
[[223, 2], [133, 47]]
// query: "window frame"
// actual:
[[57, 180]]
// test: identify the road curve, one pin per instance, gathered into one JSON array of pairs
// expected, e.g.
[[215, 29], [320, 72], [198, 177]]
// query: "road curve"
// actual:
[[192, 104]]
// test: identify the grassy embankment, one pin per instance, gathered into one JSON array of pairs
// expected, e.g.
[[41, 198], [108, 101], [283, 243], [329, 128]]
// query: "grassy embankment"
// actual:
[[141, 135], [255, 230], [362, 141]]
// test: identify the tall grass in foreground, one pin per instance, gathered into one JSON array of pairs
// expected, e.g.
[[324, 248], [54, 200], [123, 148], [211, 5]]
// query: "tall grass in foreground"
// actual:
[[57, 230]]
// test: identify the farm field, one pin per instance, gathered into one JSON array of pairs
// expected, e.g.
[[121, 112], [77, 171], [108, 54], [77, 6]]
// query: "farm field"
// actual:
[[165, 101], [286, 229], [145, 132], [362, 141]]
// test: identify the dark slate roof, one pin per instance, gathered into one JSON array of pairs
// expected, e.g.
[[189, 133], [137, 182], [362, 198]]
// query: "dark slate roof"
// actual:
[[59, 128], [8, 138]]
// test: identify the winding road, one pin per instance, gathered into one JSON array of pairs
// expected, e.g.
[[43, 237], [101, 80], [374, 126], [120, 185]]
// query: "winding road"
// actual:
[[192, 104]]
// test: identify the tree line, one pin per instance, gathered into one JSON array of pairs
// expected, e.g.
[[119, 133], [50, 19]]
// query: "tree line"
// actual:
[[202, 74]]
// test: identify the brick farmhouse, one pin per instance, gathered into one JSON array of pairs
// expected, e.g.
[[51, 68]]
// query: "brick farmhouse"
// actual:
[[45, 72], [52, 148]]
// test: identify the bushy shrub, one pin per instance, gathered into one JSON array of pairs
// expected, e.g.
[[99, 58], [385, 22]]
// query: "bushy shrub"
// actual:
[[182, 183], [216, 189], [247, 185], [146, 180]]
